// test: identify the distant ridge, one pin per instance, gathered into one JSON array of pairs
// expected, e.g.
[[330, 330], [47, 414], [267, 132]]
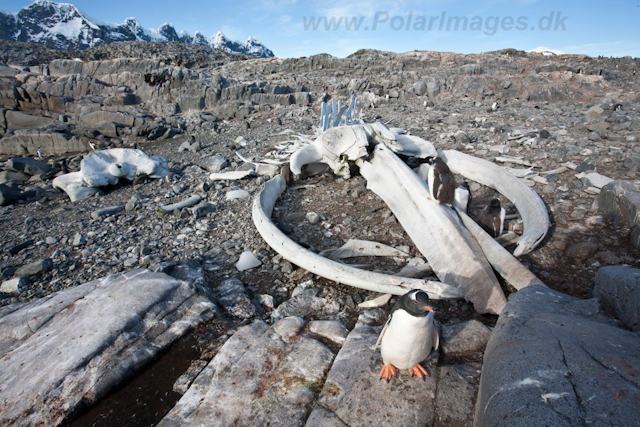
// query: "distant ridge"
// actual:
[[65, 27]]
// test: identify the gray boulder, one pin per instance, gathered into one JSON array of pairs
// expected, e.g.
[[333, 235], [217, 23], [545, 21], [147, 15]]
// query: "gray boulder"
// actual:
[[420, 88], [108, 129], [8, 195], [261, 376], [28, 165], [72, 347], [618, 287], [6, 176], [619, 204], [35, 268], [215, 163], [433, 89], [555, 359]]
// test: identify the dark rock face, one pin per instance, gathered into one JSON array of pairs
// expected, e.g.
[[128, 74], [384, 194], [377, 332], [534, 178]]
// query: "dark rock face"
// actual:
[[35, 24], [549, 355]]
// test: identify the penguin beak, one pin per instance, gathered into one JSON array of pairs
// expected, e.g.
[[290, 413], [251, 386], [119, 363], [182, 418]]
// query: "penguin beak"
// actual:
[[429, 308]]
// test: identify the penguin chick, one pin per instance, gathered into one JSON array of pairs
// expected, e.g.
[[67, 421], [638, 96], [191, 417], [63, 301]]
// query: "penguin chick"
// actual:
[[462, 197], [492, 218], [441, 182], [408, 336]]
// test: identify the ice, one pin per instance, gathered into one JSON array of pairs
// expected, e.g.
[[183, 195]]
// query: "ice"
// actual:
[[247, 260]]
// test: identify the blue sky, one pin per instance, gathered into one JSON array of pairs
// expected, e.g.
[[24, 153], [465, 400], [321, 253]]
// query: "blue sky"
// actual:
[[592, 27]]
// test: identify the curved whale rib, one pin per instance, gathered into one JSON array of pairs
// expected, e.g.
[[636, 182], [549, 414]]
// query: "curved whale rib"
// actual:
[[261, 211], [534, 214]]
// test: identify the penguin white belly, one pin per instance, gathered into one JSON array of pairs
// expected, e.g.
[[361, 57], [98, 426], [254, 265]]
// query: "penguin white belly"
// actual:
[[407, 340], [461, 199]]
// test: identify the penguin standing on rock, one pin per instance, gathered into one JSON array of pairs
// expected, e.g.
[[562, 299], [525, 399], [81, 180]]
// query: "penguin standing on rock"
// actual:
[[442, 183], [492, 218], [462, 197], [408, 336]]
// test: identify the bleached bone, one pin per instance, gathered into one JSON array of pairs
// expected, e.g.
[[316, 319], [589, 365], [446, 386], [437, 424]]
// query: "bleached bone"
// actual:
[[415, 146], [185, 203], [559, 170], [534, 214], [436, 230], [515, 160], [339, 145], [520, 173], [508, 266], [335, 147], [218, 176], [539, 179], [263, 206], [356, 248], [376, 302]]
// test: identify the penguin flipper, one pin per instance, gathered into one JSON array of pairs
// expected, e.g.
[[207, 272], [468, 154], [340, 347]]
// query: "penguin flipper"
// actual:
[[384, 329], [435, 337]]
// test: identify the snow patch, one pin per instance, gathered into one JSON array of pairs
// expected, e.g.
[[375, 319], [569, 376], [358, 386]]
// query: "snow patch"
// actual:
[[546, 51]]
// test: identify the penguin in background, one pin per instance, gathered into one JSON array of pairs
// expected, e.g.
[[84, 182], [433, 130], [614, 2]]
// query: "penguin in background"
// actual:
[[492, 218], [442, 183], [462, 197], [408, 336]]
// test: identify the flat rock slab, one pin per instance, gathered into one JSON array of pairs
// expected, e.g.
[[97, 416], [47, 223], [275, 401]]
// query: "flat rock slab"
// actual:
[[554, 360], [69, 349], [261, 376], [353, 394]]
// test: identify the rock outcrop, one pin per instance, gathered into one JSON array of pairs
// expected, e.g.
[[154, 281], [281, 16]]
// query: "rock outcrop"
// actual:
[[556, 360], [68, 350]]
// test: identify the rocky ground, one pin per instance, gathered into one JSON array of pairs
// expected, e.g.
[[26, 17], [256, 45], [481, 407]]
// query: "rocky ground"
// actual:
[[562, 115]]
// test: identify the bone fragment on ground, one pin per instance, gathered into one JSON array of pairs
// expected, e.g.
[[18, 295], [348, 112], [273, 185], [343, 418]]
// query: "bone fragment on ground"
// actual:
[[218, 176], [263, 206], [376, 302], [356, 248], [532, 209], [507, 159], [185, 203], [436, 230]]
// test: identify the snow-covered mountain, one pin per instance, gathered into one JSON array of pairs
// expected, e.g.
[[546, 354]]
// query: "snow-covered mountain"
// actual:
[[63, 26], [546, 51]]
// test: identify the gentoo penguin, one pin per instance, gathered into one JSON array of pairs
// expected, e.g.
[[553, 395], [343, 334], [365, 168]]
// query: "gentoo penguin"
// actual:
[[462, 197], [441, 182], [492, 218], [40, 153], [408, 336]]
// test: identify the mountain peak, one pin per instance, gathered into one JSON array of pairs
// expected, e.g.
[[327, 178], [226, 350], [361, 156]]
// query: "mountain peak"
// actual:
[[63, 26]]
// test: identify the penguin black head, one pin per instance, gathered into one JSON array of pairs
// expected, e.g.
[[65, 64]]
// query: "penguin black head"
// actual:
[[465, 185], [415, 302], [494, 204]]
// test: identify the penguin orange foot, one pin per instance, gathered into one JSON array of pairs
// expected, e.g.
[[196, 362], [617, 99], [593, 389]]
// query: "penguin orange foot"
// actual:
[[387, 371], [418, 371]]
